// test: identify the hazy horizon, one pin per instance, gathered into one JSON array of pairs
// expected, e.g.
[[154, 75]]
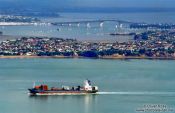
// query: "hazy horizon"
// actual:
[[86, 5]]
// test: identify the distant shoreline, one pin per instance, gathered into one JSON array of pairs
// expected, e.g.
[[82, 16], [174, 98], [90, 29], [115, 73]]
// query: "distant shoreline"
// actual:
[[78, 57]]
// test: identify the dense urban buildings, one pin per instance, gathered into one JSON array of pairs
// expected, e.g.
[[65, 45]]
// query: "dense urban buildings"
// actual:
[[150, 44]]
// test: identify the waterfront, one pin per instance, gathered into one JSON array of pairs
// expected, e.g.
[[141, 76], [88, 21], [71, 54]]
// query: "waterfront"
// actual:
[[157, 44], [134, 83]]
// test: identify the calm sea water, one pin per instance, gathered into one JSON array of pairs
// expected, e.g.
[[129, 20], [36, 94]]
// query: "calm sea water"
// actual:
[[125, 85], [94, 32]]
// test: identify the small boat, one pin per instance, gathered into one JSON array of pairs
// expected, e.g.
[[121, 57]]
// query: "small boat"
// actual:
[[65, 90]]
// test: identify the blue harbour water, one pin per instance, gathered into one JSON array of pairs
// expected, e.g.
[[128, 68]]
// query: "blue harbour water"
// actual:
[[125, 85]]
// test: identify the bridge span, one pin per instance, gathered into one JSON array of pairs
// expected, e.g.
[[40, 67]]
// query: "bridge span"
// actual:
[[88, 22]]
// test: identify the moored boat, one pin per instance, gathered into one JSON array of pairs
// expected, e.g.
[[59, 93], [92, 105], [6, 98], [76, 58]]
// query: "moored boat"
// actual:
[[87, 88]]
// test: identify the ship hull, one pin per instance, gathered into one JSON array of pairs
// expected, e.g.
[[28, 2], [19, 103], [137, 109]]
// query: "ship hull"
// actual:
[[60, 92]]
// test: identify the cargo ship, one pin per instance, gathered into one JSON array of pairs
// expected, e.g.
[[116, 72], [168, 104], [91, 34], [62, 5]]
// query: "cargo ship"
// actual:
[[43, 89]]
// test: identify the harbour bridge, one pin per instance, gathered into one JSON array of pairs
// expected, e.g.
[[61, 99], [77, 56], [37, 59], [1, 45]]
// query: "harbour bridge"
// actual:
[[89, 23]]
